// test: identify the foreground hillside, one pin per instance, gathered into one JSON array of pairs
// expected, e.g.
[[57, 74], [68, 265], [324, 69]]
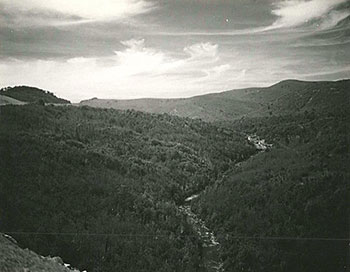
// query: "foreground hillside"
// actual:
[[101, 188], [29, 94], [14, 258], [286, 97]]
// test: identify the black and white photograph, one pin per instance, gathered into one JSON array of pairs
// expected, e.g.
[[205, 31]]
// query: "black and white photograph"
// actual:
[[174, 135]]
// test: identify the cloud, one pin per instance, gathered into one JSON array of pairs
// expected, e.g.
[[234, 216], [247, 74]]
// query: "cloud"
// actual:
[[220, 69], [294, 13], [137, 59], [201, 50], [135, 71], [325, 14], [338, 73], [334, 18], [88, 9], [34, 12], [240, 32], [287, 15]]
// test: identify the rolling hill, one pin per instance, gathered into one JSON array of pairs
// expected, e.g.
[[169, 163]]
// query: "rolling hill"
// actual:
[[30, 94], [286, 97]]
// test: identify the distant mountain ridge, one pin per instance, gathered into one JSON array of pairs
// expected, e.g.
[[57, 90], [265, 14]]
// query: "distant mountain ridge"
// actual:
[[31, 94], [283, 98]]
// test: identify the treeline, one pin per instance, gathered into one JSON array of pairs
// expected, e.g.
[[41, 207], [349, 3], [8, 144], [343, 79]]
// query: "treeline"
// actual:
[[286, 209], [100, 188]]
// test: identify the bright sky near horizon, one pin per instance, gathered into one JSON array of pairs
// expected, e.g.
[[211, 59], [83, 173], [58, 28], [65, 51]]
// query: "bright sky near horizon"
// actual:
[[122, 49]]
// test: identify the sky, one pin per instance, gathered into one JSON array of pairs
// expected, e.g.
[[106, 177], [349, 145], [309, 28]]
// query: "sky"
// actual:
[[125, 49]]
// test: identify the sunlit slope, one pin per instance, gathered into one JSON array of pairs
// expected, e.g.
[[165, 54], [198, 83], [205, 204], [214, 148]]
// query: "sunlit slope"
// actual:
[[286, 97]]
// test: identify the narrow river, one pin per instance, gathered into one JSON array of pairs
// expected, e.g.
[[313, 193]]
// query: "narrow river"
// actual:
[[211, 259]]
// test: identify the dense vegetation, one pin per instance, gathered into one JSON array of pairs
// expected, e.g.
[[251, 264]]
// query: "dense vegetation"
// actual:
[[31, 94], [284, 210], [78, 174], [75, 174]]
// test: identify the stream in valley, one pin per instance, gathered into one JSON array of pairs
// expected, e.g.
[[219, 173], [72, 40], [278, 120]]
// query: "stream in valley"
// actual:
[[210, 247]]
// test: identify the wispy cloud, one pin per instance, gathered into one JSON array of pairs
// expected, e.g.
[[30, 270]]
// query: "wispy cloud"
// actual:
[[53, 12], [335, 73], [334, 18], [241, 32], [291, 14], [294, 13]]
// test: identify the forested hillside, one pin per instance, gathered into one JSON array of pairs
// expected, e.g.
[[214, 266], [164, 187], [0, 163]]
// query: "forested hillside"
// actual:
[[101, 188], [105, 189], [286, 209], [31, 94]]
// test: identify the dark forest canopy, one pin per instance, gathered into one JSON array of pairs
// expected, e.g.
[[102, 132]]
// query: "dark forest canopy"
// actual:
[[85, 170], [286, 209]]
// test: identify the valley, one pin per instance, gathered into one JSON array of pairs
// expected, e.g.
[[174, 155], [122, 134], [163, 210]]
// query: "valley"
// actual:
[[260, 186], [210, 246], [174, 136]]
